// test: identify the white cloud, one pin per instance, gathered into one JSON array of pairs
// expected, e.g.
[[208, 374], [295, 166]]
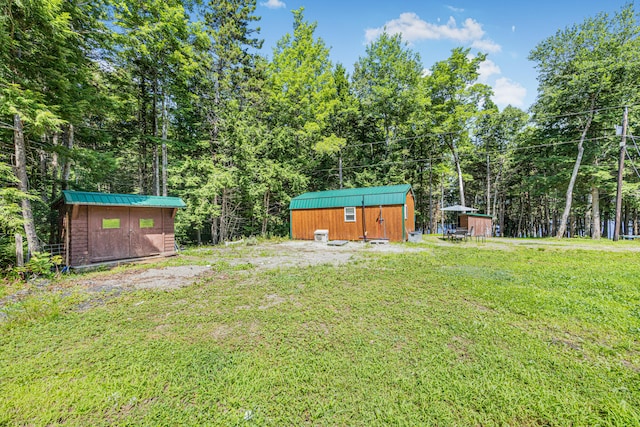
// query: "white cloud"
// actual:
[[513, 28], [414, 29], [486, 46], [486, 69], [507, 92], [274, 4], [455, 9]]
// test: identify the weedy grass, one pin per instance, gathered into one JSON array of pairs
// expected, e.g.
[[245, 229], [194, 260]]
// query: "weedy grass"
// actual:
[[456, 335]]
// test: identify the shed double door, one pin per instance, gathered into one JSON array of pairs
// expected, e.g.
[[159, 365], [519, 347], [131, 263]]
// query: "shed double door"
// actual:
[[122, 232]]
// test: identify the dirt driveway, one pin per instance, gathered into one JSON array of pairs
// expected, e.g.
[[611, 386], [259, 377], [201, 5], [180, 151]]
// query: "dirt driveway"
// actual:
[[200, 262], [189, 266]]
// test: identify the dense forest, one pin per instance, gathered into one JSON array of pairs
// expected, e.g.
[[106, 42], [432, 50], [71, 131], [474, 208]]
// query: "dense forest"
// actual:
[[178, 97]]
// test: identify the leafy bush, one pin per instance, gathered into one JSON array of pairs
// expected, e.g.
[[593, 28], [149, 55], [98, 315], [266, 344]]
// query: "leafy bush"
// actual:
[[41, 264]]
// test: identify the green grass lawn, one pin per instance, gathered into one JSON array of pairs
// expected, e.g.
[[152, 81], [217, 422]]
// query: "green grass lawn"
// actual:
[[454, 335]]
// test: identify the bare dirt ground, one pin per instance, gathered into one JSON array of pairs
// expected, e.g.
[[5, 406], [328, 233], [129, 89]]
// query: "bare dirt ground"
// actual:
[[195, 264], [271, 255], [199, 263]]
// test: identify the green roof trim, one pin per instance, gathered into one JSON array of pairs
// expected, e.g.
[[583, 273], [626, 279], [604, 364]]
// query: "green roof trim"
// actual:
[[480, 215], [370, 196], [112, 199]]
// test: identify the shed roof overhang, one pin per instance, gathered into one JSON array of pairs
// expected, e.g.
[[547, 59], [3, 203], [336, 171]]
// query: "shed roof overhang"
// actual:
[[111, 199], [367, 196]]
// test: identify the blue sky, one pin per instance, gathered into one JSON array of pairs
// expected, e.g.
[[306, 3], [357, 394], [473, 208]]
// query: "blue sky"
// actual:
[[506, 31]]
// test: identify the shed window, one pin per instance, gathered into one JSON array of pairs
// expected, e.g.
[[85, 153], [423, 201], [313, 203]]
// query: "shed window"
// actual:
[[406, 214], [109, 223], [350, 214], [146, 222]]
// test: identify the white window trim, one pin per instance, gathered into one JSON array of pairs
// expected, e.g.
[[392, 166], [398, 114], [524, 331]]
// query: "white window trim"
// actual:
[[350, 214], [406, 213]]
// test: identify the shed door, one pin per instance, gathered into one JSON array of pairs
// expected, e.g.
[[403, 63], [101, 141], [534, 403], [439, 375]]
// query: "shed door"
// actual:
[[146, 231], [108, 233]]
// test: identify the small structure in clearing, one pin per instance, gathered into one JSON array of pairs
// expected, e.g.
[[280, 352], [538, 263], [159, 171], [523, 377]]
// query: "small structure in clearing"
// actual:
[[482, 225], [100, 227], [370, 213]]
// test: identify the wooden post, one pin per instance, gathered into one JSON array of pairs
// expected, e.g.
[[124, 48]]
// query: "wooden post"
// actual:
[[19, 251]]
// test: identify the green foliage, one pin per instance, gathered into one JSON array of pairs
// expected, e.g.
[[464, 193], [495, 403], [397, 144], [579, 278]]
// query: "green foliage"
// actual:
[[101, 86], [385, 81], [10, 197], [41, 264]]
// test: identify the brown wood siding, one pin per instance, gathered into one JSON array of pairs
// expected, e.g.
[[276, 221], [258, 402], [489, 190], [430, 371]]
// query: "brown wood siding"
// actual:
[[87, 243], [79, 235], [304, 222], [168, 231], [106, 244]]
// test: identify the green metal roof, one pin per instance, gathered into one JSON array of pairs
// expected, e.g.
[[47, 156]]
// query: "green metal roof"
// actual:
[[479, 215], [370, 196], [132, 200]]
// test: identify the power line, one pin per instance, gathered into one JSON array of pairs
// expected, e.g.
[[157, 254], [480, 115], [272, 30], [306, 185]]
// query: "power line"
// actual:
[[465, 155], [577, 113]]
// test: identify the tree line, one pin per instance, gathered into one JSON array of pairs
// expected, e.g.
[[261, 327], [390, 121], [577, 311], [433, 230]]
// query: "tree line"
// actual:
[[177, 97]]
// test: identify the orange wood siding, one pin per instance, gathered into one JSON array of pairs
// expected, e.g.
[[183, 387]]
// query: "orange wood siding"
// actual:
[[304, 222], [410, 222], [482, 226]]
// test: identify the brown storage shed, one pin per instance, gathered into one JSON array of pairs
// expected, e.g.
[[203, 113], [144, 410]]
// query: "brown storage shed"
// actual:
[[100, 227], [385, 212], [482, 224]]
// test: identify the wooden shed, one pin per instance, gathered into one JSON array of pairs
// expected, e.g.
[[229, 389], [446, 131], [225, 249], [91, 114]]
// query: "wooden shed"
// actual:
[[99, 227], [355, 213], [482, 224]]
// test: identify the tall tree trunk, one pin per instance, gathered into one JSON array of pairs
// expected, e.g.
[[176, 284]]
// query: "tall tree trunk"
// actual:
[[214, 224], [595, 200], [456, 160], [519, 231], [572, 225], [224, 212], [54, 167], [165, 131], [501, 216], [54, 188], [432, 219], [156, 170], [142, 120], [460, 180], [488, 212], [23, 184], [547, 217], [156, 154], [69, 136], [588, 216], [265, 220], [574, 175], [43, 173]]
